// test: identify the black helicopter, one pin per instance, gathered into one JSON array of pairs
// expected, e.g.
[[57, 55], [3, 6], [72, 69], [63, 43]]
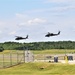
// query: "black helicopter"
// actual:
[[51, 34], [20, 38]]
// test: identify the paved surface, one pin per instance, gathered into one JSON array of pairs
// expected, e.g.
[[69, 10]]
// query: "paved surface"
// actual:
[[59, 61]]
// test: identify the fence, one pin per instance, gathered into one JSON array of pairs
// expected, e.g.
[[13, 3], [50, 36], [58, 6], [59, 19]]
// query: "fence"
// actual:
[[51, 57], [15, 57], [11, 58]]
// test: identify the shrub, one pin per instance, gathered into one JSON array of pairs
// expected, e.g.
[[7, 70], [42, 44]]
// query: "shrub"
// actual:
[[1, 49]]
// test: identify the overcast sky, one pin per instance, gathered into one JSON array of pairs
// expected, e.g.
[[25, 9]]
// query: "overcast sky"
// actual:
[[36, 18]]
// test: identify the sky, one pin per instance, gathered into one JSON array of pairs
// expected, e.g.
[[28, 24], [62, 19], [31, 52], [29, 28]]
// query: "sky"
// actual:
[[36, 18]]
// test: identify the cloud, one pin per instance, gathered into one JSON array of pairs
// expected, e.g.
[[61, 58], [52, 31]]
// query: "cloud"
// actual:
[[59, 9], [0, 32], [2, 23], [34, 21], [60, 1], [64, 8], [19, 15], [12, 33]]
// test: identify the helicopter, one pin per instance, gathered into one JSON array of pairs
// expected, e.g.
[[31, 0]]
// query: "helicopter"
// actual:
[[51, 34], [21, 38]]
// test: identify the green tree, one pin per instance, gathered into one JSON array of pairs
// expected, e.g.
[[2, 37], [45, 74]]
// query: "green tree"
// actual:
[[1, 49]]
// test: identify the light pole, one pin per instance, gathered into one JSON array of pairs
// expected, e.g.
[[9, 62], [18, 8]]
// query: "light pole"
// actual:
[[23, 52], [21, 38]]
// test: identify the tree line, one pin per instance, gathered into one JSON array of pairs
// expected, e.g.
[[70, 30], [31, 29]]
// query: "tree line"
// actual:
[[37, 45]]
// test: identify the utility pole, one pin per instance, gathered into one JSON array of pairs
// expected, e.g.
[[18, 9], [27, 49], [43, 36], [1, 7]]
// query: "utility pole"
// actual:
[[10, 58], [23, 52], [21, 38], [3, 60]]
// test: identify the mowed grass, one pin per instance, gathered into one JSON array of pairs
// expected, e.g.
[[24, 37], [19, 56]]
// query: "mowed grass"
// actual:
[[11, 51], [40, 69], [54, 51], [51, 51]]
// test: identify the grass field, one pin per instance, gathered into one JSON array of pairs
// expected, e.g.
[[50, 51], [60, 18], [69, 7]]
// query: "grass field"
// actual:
[[8, 57], [54, 51], [40, 69]]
